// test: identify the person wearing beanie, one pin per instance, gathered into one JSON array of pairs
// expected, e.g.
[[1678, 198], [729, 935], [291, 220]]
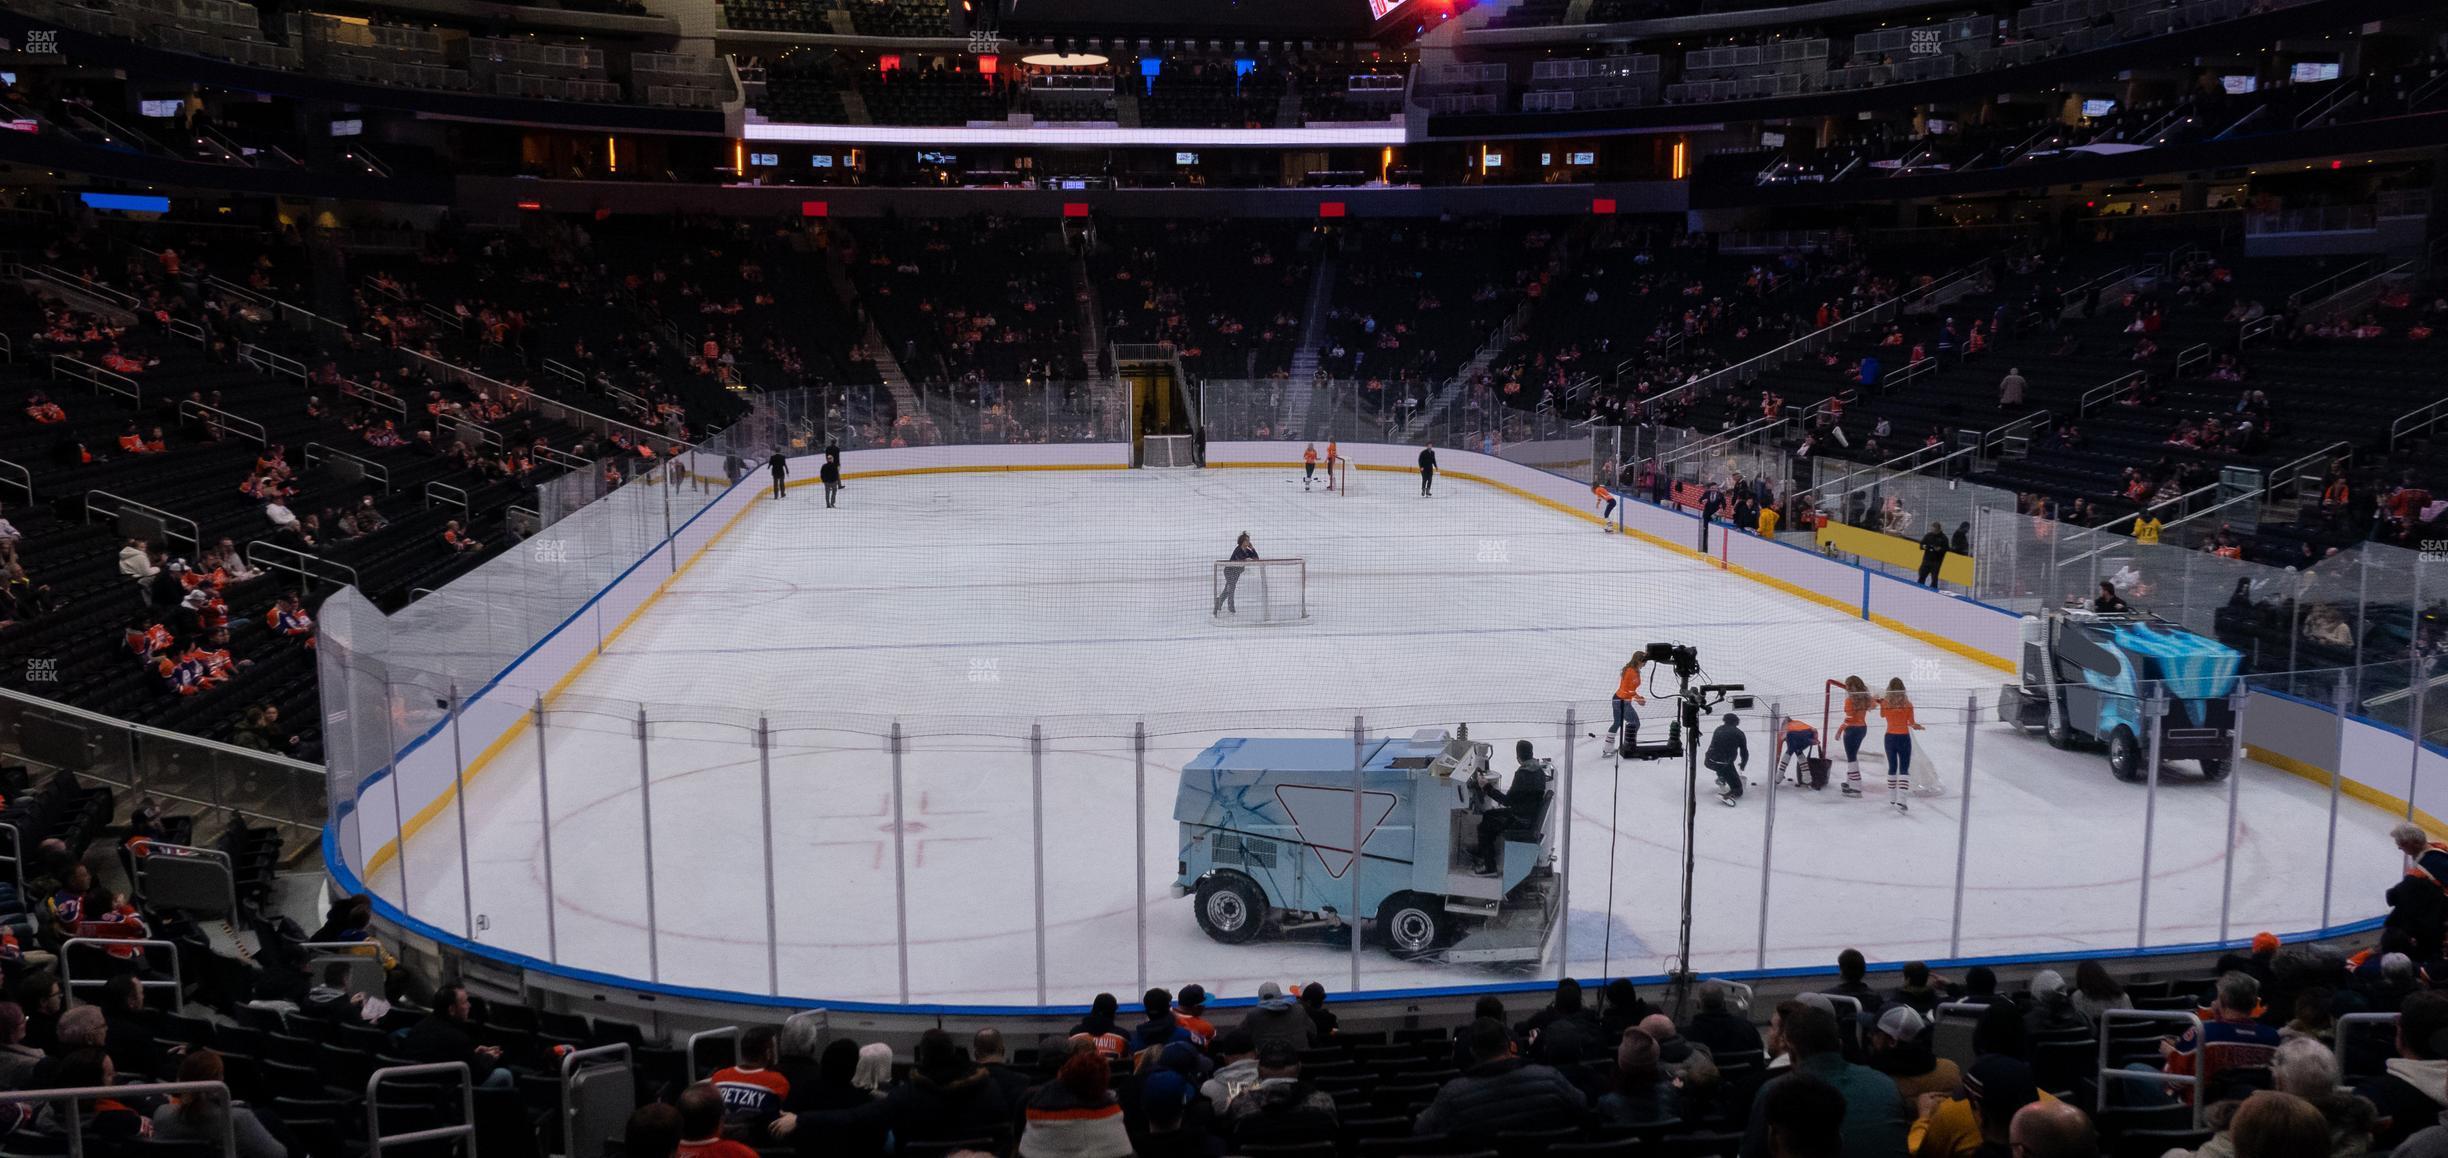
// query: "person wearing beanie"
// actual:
[[948, 1097], [1075, 1115], [1623, 1008], [1190, 1010], [1900, 1049], [1500, 1091], [1642, 1094], [1565, 1018], [1282, 1106], [1173, 1120], [2255, 962], [1278, 1018], [1729, 752], [2052, 1009]]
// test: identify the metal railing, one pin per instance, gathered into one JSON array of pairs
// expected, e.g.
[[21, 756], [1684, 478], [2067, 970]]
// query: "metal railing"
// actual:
[[8, 349], [560, 458], [2197, 354], [160, 852], [215, 418], [22, 479], [169, 765], [69, 981], [375, 396], [185, 330], [2328, 285], [76, 1121], [453, 424], [729, 1033], [316, 451], [2356, 295], [68, 366], [579, 1141], [273, 362], [376, 1139], [2108, 390], [2422, 419], [306, 567], [556, 366], [78, 284], [170, 522], [448, 494], [2108, 1075]]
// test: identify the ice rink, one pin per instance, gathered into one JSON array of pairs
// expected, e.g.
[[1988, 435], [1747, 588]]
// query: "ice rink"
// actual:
[[970, 607]]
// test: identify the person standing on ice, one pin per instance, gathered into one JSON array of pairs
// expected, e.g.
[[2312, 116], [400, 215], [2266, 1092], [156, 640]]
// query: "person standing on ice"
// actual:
[[1427, 463], [831, 474], [1729, 752], [1896, 709], [1308, 465], [781, 470], [1857, 701], [1232, 575], [1627, 695]]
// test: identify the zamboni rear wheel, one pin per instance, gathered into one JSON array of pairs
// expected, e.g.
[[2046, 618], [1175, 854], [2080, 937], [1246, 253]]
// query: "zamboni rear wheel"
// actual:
[[1412, 925], [1230, 909]]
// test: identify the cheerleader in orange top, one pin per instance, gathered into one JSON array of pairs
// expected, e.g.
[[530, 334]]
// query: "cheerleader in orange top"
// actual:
[[1334, 452], [1308, 464], [1627, 694], [1856, 727], [1606, 506], [1897, 710]]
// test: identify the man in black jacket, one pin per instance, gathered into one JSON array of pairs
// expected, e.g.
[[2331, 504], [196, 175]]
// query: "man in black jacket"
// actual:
[[1514, 807], [2414, 1087], [1729, 752], [1427, 463], [1933, 554], [443, 1037], [1717, 1027], [948, 1097], [1501, 1092]]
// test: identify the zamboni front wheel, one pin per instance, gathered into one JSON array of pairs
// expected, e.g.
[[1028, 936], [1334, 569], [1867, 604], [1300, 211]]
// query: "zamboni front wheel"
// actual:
[[2213, 769], [2125, 755], [1412, 924], [1229, 908]]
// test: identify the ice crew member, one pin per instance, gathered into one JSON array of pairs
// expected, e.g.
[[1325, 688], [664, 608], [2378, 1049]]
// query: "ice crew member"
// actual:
[[1517, 806], [1729, 751]]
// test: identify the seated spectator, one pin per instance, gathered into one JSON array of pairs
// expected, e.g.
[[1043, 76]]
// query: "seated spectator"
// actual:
[[128, 1034], [445, 1036], [2272, 1124], [1673, 1050], [1899, 1048], [835, 1115], [1275, 1018], [17, 1059], [1851, 979], [2413, 1087], [1168, 1130], [1564, 1018], [1075, 1115], [2231, 1035], [948, 1097], [1918, 992], [752, 1091], [202, 1116], [288, 619], [986, 1046], [1874, 1119], [2052, 1006], [701, 1125], [2096, 992], [1643, 1094], [1321, 1019], [43, 410], [1978, 1121], [1717, 1027], [459, 540], [329, 999], [105, 1118], [1500, 1091], [1101, 1026], [1280, 1106], [653, 1131], [369, 519], [1161, 1027], [1237, 1068], [136, 561]]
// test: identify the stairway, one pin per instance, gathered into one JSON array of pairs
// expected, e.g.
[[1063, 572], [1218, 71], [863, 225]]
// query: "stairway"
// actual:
[[1091, 312], [887, 363], [1305, 359]]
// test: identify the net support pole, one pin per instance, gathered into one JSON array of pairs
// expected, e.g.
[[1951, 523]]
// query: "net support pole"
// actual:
[[654, 957], [2337, 784], [1564, 853], [1140, 841], [544, 827], [2235, 785], [902, 882], [1776, 779], [467, 882], [765, 810], [1359, 758], [1037, 845], [2154, 715], [1963, 825]]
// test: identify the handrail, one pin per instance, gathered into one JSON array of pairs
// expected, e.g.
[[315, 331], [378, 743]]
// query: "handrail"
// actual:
[[79, 283], [2255, 328], [24, 480], [370, 282], [560, 458], [461, 499], [2321, 289], [225, 285], [729, 1033], [76, 1121], [8, 349], [373, 1106], [184, 329], [571, 1062], [96, 377], [1720, 440], [2332, 300], [69, 982], [376, 395], [214, 416], [303, 570], [2108, 1074], [2106, 390], [272, 362], [373, 470], [2430, 414], [163, 848], [2193, 355], [521, 396], [563, 369], [194, 535], [486, 435], [2283, 474]]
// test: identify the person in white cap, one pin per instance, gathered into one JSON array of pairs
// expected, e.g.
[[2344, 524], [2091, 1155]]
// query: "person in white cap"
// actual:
[[1900, 1049]]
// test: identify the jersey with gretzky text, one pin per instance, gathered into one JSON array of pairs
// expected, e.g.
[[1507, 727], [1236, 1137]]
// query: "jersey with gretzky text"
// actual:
[[750, 1095]]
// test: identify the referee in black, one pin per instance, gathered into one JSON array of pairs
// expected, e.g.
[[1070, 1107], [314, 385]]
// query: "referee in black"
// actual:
[[1427, 470], [780, 469]]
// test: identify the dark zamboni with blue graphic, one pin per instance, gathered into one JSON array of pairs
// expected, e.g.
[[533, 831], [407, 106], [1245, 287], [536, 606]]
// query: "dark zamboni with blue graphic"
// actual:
[[2087, 677]]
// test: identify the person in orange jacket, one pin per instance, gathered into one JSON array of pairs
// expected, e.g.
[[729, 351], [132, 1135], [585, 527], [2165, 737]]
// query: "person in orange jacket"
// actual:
[[1896, 710], [1628, 694], [1606, 506]]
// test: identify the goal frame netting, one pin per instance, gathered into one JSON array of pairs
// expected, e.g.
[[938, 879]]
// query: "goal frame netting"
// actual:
[[1167, 451], [1268, 591], [1338, 475]]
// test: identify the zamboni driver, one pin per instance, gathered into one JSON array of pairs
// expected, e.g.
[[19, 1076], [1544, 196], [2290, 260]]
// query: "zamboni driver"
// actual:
[[1512, 808]]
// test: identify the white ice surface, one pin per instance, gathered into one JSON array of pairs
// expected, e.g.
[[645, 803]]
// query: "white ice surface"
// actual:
[[969, 606]]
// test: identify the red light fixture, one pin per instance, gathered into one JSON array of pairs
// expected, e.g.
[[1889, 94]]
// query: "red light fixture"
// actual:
[[1602, 206], [815, 209], [1330, 209]]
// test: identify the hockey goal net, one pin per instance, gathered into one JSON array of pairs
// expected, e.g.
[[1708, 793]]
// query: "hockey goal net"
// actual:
[[1261, 591], [1167, 451]]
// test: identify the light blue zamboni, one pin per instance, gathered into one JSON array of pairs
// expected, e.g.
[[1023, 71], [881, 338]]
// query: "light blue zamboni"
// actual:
[[1266, 838]]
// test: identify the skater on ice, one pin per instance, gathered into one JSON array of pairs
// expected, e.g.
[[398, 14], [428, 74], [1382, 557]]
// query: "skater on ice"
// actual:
[[781, 470], [1427, 467], [1626, 728], [1334, 451], [831, 474], [1729, 754], [1308, 465], [1800, 738], [1897, 710], [1232, 575], [1606, 506]]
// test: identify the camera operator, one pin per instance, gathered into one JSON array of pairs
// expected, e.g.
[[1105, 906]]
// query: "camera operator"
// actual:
[[1517, 806]]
